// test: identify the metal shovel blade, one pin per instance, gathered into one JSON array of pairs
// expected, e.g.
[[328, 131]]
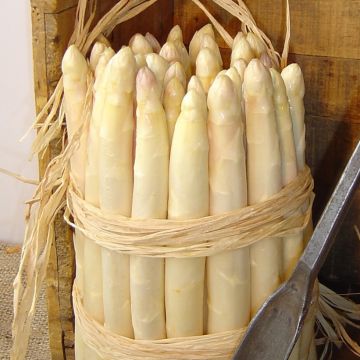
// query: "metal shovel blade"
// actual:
[[274, 330]]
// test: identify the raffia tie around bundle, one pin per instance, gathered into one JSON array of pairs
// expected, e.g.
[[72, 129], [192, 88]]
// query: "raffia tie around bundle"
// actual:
[[275, 217], [158, 238]]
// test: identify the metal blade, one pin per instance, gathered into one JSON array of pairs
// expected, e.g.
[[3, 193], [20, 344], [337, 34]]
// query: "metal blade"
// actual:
[[274, 330]]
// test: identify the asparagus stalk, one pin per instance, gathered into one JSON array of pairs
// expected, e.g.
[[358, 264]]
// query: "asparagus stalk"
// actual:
[[207, 41], [207, 67], [257, 46], [153, 42], [75, 70], [95, 54], [195, 43], [116, 182], [171, 53], [139, 45], [175, 70], [228, 273], [188, 198], [295, 89], [240, 66], [158, 65], [173, 96], [241, 50], [293, 244], [264, 175], [150, 197]]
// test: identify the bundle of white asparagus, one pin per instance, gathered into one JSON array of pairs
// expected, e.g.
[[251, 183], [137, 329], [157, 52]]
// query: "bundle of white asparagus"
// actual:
[[174, 135]]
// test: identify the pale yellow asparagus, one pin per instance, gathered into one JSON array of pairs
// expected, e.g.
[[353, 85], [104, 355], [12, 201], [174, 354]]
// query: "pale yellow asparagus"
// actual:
[[241, 50], [171, 53], [256, 44], [266, 60], [263, 175], [175, 70], [150, 198], [116, 182], [175, 35], [238, 36], [173, 95], [292, 244], [240, 66], [153, 42], [195, 43], [295, 89], [93, 299], [158, 65], [195, 84], [139, 45], [95, 54], [236, 79], [207, 41], [100, 67], [207, 67], [188, 198], [228, 273], [140, 60], [75, 71]]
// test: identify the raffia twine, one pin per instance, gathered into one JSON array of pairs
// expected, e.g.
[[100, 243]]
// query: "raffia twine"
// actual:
[[56, 191]]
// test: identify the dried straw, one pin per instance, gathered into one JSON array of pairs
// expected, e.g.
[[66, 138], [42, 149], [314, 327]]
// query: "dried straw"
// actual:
[[151, 238]]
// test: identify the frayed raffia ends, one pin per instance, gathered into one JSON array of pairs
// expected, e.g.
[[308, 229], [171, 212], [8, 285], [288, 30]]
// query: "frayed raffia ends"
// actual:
[[198, 237], [335, 314]]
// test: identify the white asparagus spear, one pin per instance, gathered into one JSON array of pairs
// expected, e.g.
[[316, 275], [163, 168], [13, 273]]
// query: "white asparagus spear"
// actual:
[[295, 89], [263, 175], [240, 66], [158, 65], [75, 70], [140, 60], [188, 198], [195, 43], [101, 65], [238, 36], [257, 46], [266, 60], [175, 34], [228, 273], [241, 50], [293, 244], [171, 53], [175, 70], [150, 197], [96, 51], [116, 182], [153, 42], [139, 45], [207, 67], [207, 41], [195, 84], [173, 95]]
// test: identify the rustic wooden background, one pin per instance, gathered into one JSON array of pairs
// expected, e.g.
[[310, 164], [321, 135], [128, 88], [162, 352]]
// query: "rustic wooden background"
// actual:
[[325, 41]]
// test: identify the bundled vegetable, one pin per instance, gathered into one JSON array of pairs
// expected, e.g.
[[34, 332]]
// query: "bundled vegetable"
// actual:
[[150, 198], [263, 175], [188, 198], [228, 273], [116, 182]]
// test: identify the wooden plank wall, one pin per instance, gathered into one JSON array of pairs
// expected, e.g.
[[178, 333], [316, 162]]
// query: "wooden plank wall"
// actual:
[[325, 42]]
